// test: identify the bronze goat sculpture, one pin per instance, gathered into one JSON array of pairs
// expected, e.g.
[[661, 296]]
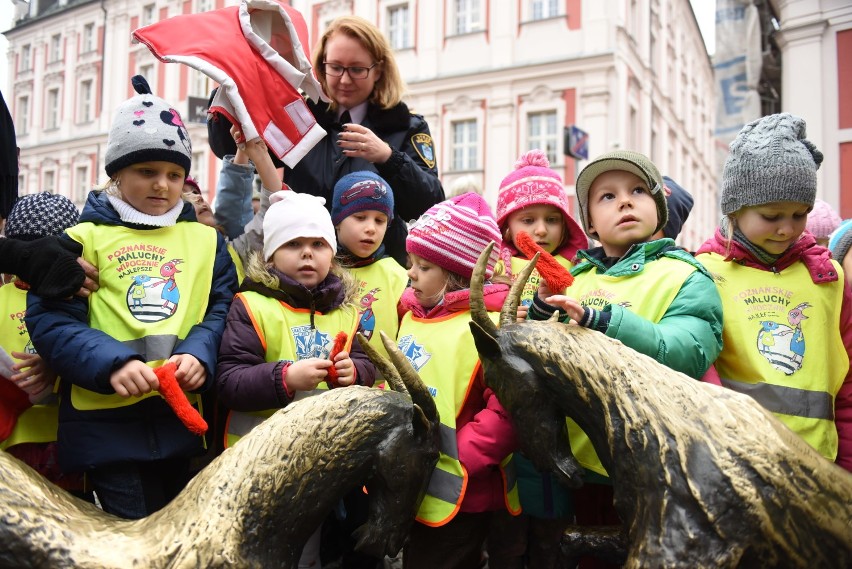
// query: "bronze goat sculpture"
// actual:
[[257, 503], [702, 476]]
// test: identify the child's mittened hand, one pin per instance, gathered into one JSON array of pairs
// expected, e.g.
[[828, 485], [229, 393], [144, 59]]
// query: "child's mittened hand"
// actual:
[[567, 305], [134, 379], [305, 375], [190, 374], [345, 369]]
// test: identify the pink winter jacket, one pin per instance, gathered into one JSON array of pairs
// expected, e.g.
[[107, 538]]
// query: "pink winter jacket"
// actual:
[[483, 428], [816, 259]]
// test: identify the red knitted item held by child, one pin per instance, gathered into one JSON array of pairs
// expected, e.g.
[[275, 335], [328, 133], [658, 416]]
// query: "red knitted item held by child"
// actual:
[[339, 344], [176, 399], [557, 277]]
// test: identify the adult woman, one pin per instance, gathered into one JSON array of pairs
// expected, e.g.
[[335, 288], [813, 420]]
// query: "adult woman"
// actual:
[[368, 125]]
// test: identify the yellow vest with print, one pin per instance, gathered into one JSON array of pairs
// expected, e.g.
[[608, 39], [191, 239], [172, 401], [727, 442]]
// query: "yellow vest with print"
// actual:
[[154, 287], [449, 379], [238, 263], [647, 294], [38, 423], [531, 288], [380, 286], [769, 319], [286, 334]]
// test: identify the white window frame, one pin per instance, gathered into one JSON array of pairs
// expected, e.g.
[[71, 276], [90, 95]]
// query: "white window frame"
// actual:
[[467, 16], [203, 6], [85, 94], [26, 58], [55, 48], [543, 9], [146, 70], [48, 181], [22, 115], [88, 43], [148, 14], [464, 146], [545, 139], [201, 84], [399, 26], [82, 184], [51, 109]]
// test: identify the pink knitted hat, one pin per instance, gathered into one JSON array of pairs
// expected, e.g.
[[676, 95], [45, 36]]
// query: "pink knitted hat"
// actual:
[[453, 233], [822, 220]]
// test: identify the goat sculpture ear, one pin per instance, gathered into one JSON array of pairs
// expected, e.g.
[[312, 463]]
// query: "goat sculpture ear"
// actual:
[[486, 344]]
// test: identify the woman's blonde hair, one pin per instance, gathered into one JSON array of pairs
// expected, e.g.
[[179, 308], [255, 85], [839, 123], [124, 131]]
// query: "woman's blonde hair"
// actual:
[[388, 90], [258, 271]]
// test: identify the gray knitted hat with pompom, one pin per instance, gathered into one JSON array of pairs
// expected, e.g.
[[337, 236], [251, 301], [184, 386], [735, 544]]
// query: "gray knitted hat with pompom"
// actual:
[[770, 161]]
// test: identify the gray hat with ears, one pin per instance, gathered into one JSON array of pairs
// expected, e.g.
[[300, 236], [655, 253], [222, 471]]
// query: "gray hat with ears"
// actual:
[[770, 161]]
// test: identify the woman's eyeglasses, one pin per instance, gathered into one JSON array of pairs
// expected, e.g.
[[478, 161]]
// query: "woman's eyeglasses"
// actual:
[[354, 72]]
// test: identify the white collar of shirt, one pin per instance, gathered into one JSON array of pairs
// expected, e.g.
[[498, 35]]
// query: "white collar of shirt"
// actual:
[[357, 113]]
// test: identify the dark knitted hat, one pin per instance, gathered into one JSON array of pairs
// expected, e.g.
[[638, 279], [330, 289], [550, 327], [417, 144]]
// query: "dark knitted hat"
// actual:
[[146, 129], [770, 161], [39, 215], [679, 203], [361, 191]]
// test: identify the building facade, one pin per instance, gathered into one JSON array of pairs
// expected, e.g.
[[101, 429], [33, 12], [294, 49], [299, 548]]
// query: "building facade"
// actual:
[[493, 79]]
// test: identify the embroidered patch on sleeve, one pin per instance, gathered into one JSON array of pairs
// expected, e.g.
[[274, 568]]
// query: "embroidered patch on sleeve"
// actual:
[[422, 143]]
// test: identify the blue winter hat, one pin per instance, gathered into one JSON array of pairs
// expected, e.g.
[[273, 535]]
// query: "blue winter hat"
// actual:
[[361, 191], [840, 241], [680, 203]]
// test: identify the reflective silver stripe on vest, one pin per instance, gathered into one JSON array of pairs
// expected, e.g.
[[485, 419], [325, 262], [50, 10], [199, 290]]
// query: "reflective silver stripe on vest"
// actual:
[[445, 486], [786, 400], [240, 424], [153, 348], [449, 443]]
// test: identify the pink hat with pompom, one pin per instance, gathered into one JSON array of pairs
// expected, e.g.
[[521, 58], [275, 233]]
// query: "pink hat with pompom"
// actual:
[[532, 182], [822, 220]]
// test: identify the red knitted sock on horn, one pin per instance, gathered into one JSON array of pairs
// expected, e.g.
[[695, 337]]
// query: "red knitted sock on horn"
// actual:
[[557, 277], [339, 344], [176, 399]]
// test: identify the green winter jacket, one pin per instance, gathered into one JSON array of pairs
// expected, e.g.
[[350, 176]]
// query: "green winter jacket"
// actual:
[[688, 337]]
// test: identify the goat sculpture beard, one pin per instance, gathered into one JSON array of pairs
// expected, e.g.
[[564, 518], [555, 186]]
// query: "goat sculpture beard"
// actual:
[[703, 476], [257, 503]]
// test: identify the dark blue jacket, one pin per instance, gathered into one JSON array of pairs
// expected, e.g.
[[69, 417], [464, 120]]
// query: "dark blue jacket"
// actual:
[[147, 430]]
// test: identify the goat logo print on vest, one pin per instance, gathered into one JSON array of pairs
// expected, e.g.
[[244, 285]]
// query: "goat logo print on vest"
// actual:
[[414, 352], [310, 342], [783, 346], [154, 298]]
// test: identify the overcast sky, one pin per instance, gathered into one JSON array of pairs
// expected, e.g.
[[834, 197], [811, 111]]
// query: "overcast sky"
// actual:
[[704, 13]]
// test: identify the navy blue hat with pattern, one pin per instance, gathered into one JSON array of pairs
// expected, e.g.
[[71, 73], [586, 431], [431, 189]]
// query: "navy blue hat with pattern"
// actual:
[[361, 191], [40, 215]]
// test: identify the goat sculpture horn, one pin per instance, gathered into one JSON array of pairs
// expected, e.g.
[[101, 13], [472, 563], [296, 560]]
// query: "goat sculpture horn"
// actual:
[[477, 295], [509, 313], [388, 371]]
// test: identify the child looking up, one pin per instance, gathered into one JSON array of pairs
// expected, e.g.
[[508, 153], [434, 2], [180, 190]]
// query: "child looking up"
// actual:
[[31, 436], [532, 199], [651, 295], [467, 485], [166, 283], [788, 311], [282, 326]]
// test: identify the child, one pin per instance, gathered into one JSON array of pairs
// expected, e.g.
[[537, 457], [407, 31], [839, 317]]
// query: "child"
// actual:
[[467, 484], [166, 283], [32, 434], [281, 327], [361, 212], [532, 199], [649, 294], [822, 221], [788, 311], [839, 244]]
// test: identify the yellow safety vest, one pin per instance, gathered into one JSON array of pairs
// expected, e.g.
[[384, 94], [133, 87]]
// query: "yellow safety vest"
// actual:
[[531, 288], [449, 379], [380, 286], [38, 423], [154, 287], [286, 335], [238, 263], [769, 320], [648, 294]]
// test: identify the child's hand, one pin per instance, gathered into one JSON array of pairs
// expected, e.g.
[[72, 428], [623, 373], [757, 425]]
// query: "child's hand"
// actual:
[[134, 379], [523, 309], [544, 291], [567, 305], [345, 369], [305, 375], [190, 374], [35, 376]]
